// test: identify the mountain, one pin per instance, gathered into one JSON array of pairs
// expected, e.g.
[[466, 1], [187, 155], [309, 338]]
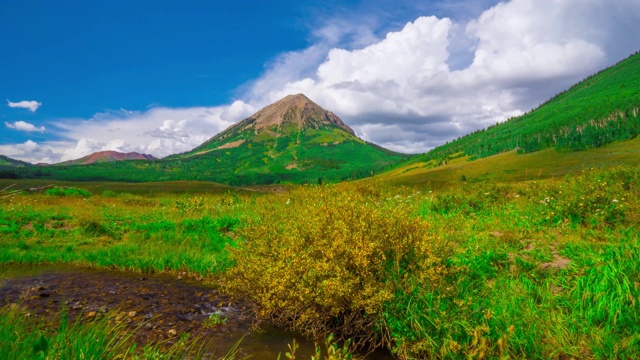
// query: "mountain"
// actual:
[[7, 161], [293, 140], [598, 110], [292, 114], [595, 123], [107, 156]]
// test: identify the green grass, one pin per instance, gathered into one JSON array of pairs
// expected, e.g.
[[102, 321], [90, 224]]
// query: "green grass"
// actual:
[[147, 188], [511, 167], [536, 269], [125, 231], [26, 337]]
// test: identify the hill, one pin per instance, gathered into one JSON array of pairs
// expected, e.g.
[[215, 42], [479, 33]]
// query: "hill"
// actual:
[[7, 161], [512, 167], [107, 156], [600, 109], [293, 140]]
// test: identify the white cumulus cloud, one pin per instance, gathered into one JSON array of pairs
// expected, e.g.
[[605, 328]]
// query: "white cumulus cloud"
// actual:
[[427, 82], [30, 105], [24, 126], [157, 131], [401, 93], [33, 152]]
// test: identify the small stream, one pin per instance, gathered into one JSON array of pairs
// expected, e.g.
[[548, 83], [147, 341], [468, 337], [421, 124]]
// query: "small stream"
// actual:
[[158, 307]]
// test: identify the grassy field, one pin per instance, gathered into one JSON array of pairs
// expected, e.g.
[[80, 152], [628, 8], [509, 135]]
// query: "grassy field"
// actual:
[[544, 268], [512, 167], [152, 188]]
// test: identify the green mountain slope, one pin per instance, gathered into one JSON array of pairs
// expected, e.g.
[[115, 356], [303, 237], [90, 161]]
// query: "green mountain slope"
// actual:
[[293, 140], [510, 166], [600, 109], [7, 161]]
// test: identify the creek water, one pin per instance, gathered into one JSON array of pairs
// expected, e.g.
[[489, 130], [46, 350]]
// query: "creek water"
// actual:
[[158, 308]]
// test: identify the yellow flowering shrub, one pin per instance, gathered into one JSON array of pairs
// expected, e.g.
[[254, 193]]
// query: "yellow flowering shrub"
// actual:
[[327, 259]]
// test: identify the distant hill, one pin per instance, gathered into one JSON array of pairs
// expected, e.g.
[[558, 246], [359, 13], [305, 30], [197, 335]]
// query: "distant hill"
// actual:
[[600, 109], [107, 156], [293, 140], [7, 161]]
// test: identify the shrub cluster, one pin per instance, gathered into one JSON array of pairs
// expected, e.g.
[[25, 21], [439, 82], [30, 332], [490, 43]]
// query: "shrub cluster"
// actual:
[[328, 260], [67, 191]]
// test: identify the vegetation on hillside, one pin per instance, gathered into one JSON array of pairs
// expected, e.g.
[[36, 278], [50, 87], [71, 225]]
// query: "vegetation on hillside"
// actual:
[[7, 161], [600, 109], [512, 167], [313, 156]]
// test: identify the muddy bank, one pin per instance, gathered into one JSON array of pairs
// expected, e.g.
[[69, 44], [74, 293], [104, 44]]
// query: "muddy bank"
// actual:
[[158, 308]]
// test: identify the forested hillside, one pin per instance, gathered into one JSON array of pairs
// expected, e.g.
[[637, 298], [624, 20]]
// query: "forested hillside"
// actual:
[[598, 110]]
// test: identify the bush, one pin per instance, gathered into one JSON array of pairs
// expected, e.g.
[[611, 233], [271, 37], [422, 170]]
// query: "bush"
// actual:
[[109, 194], [328, 260], [68, 192]]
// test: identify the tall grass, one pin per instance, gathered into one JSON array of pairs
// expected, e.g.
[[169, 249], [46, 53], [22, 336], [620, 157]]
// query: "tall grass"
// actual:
[[126, 231], [537, 269]]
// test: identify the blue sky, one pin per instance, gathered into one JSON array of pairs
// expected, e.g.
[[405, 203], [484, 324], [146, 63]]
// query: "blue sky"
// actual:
[[163, 76]]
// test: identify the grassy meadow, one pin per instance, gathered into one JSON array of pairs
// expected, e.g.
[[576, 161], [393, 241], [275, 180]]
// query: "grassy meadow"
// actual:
[[512, 167], [544, 268]]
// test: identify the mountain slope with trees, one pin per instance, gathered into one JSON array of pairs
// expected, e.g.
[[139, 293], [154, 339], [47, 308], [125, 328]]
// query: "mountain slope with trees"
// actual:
[[598, 110]]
